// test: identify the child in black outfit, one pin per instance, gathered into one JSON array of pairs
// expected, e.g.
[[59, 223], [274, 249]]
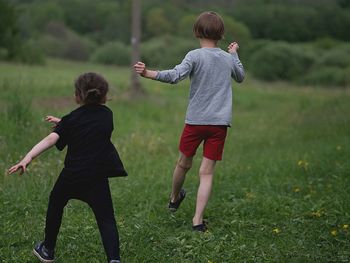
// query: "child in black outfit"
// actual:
[[91, 158]]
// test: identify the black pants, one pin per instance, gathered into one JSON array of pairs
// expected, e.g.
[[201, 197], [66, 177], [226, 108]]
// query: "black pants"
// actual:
[[98, 196]]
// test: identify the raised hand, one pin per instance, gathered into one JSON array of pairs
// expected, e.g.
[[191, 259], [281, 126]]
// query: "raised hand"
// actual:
[[140, 68], [52, 119], [233, 47]]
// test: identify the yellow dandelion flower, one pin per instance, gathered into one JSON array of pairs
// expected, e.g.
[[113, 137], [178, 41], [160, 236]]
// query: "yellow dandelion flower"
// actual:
[[303, 164], [334, 232], [296, 190], [276, 230], [345, 227], [317, 213]]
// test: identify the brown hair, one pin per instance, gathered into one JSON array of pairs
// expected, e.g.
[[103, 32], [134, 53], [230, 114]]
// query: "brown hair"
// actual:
[[91, 88], [209, 25]]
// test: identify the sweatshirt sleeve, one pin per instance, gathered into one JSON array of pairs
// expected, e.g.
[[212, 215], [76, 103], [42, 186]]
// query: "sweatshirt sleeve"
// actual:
[[178, 73], [237, 69]]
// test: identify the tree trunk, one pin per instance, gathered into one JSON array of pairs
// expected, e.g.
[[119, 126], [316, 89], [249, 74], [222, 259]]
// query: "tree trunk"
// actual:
[[135, 85]]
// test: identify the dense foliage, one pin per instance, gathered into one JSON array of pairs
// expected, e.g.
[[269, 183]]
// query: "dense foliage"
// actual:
[[89, 30]]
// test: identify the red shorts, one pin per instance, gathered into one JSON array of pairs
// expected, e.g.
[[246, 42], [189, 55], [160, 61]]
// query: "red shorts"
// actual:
[[212, 135]]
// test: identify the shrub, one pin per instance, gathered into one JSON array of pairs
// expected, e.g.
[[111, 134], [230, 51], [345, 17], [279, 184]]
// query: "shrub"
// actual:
[[59, 41], [112, 53], [325, 43], [185, 26], [166, 51], [30, 53], [280, 61], [9, 33], [3, 53], [337, 57], [328, 76], [157, 22], [251, 48], [235, 31]]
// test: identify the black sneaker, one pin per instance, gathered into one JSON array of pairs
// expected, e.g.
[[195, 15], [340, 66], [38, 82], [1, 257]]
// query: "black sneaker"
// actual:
[[201, 227], [173, 206], [42, 253], [114, 261]]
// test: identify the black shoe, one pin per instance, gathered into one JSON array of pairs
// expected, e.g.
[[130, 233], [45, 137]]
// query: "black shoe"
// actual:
[[173, 206], [114, 261], [42, 253], [201, 227]]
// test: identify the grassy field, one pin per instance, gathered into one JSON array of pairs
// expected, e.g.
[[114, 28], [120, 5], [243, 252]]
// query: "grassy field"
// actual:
[[281, 193]]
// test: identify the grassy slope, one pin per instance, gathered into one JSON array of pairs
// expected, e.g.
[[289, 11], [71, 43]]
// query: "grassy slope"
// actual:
[[280, 194]]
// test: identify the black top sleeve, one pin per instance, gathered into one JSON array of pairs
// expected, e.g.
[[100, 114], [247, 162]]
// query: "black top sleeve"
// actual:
[[62, 131]]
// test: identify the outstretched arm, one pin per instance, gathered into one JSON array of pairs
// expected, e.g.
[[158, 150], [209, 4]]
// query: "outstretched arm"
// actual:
[[171, 76], [238, 70], [141, 69], [43, 145]]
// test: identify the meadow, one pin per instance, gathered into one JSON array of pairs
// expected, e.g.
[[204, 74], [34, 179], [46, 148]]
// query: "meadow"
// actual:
[[281, 193]]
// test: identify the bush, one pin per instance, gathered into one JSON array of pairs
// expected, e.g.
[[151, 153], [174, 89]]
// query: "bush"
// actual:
[[30, 53], [328, 76], [9, 33], [166, 51], [157, 22], [280, 61], [236, 31], [325, 43], [59, 41], [3, 53], [337, 57], [112, 53], [185, 26], [332, 67], [251, 48]]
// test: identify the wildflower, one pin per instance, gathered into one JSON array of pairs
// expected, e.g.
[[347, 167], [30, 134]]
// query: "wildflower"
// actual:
[[303, 164], [276, 230], [296, 190], [318, 213], [345, 227], [334, 232]]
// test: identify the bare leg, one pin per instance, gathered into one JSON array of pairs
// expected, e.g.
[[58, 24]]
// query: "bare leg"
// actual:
[[206, 173], [182, 166]]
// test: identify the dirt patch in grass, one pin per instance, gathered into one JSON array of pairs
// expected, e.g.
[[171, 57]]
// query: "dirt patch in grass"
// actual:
[[55, 103]]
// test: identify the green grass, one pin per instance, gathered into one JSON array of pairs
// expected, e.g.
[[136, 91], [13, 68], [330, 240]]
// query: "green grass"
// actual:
[[281, 193]]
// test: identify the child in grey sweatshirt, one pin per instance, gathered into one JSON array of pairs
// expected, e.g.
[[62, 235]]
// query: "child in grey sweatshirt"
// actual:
[[209, 111]]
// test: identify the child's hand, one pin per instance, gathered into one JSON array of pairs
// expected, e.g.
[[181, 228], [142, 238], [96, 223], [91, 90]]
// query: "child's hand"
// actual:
[[22, 166], [52, 119], [233, 47], [140, 68]]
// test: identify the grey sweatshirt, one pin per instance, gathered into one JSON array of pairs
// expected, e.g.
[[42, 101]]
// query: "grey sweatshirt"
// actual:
[[210, 71]]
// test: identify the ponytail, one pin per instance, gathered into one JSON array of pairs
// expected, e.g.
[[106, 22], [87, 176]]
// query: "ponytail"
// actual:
[[91, 88]]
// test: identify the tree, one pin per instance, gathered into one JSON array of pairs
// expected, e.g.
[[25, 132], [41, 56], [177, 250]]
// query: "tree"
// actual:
[[9, 42], [157, 22], [135, 87]]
